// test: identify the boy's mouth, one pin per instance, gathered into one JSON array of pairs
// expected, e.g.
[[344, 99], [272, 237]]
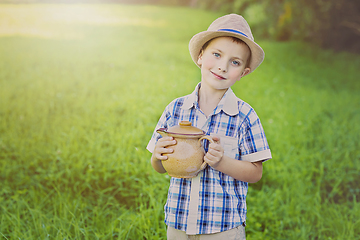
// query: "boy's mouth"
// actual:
[[218, 76]]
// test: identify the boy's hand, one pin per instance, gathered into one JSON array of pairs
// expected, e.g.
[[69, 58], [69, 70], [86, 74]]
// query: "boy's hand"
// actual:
[[160, 147], [215, 153]]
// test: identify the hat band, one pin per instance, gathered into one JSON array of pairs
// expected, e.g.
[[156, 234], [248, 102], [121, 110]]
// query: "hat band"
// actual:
[[234, 31]]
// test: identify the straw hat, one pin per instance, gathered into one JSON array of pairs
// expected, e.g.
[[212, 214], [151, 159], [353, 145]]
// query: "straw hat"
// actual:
[[231, 25]]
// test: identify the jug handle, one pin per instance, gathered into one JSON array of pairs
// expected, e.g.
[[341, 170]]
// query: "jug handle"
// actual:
[[162, 132], [203, 166]]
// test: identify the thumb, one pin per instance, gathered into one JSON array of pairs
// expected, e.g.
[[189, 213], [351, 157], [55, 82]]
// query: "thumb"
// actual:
[[216, 139]]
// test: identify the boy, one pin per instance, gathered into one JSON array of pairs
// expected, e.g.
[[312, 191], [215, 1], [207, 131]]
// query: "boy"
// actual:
[[213, 204]]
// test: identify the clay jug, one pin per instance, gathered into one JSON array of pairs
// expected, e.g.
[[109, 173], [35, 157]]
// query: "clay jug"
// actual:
[[187, 160]]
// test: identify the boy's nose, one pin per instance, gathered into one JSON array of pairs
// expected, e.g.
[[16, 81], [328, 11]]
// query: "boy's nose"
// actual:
[[222, 69], [222, 66]]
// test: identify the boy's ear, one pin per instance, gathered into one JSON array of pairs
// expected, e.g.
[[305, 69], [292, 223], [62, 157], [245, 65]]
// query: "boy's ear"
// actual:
[[199, 61], [246, 72]]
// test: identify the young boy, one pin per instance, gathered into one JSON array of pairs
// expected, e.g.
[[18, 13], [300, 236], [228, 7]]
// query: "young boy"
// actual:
[[213, 204]]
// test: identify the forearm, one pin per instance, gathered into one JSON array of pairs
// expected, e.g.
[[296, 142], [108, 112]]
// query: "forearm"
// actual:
[[240, 170], [157, 164]]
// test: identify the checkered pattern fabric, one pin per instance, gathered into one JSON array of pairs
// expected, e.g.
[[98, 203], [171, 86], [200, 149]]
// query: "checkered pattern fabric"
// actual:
[[222, 199]]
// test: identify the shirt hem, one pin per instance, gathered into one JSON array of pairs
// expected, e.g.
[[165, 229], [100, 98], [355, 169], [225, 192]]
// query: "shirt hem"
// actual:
[[258, 156]]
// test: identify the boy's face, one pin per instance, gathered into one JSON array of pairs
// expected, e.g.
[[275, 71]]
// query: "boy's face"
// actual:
[[223, 63]]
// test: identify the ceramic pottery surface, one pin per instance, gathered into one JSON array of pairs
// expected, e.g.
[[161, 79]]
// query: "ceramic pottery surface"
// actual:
[[187, 160]]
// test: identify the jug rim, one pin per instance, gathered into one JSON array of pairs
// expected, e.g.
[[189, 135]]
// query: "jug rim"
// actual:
[[184, 128]]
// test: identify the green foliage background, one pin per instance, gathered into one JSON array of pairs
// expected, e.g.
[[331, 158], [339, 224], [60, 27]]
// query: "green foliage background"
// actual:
[[330, 24], [81, 90]]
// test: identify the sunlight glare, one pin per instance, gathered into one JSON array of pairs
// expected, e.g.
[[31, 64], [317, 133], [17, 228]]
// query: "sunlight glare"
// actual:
[[63, 21]]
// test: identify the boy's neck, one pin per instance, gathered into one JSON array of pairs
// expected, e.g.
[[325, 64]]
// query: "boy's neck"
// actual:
[[209, 99]]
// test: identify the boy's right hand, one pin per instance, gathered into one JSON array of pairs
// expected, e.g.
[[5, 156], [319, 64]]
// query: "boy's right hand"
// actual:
[[162, 146]]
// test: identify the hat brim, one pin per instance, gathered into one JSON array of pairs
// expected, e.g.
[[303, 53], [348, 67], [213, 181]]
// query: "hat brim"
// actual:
[[198, 41]]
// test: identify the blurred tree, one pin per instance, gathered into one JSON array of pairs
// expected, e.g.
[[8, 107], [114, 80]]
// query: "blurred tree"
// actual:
[[331, 23], [342, 29], [193, 3]]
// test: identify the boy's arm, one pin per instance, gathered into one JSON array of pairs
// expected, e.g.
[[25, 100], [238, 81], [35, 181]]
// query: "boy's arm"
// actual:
[[241, 170], [157, 165]]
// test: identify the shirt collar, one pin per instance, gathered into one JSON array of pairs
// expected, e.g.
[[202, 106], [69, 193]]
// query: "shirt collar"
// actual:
[[228, 103], [192, 99]]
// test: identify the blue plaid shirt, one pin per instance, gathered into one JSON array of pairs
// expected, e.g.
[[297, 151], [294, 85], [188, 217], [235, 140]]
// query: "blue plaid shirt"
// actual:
[[221, 203]]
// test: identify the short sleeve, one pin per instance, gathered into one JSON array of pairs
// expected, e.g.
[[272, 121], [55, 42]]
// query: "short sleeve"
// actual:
[[162, 123], [253, 144]]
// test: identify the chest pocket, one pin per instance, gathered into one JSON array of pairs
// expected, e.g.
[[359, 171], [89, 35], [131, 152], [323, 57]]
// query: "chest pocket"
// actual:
[[230, 146]]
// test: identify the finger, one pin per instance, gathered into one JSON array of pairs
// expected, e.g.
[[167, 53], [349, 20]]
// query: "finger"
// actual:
[[161, 151], [167, 141], [161, 157], [214, 155], [215, 146], [213, 152], [210, 160], [210, 157], [167, 150], [207, 160]]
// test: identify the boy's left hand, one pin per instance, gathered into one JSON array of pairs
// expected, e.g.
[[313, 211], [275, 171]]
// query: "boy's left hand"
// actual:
[[215, 153]]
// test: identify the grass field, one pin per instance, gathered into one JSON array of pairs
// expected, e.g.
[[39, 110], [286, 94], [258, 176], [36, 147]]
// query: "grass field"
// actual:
[[82, 87]]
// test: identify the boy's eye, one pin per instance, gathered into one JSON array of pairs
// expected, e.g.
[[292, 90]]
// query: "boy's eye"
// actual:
[[216, 54], [236, 63]]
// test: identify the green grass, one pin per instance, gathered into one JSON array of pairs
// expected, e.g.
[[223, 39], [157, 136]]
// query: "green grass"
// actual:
[[82, 87]]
